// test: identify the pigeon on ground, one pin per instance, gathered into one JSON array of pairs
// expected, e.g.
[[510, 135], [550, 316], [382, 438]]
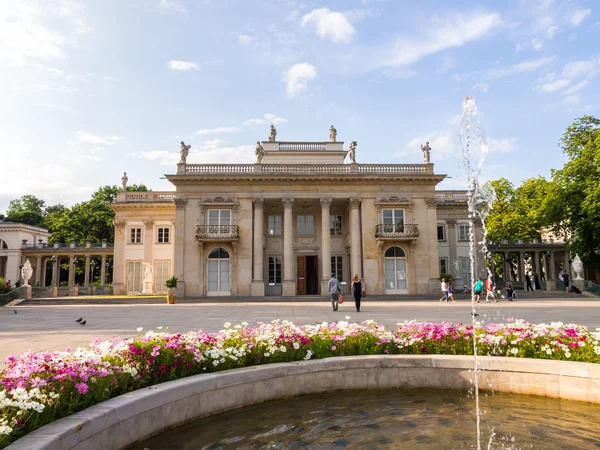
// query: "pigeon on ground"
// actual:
[[475, 314], [84, 322], [79, 320], [15, 311]]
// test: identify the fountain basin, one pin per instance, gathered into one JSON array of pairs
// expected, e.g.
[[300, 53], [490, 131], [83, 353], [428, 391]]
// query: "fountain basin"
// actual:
[[130, 418]]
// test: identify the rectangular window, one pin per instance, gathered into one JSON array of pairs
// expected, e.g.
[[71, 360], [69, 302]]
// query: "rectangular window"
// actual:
[[463, 232], [135, 236], [161, 274], [305, 225], [443, 265], [274, 270], [393, 219], [465, 270], [441, 230], [337, 267], [335, 225], [274, 225], [219, 217], [134, 276], [164, 236]]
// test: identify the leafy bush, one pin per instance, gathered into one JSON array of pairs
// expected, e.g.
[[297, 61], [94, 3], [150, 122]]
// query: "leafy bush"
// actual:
[[171, 283]]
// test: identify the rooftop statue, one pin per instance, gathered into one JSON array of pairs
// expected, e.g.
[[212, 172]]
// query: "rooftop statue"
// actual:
[[332, 133], [352, 152], [259, 152], [272, 134], [124, 181], [426, 149], [184, 151]]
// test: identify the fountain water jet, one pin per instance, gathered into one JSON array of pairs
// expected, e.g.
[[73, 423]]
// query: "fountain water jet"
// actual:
[[473, 144]]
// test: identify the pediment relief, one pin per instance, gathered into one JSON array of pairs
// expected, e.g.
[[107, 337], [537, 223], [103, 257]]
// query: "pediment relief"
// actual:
[[218, 201], [394, 199]]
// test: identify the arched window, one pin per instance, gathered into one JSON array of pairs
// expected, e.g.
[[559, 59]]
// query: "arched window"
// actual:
[[395, 271], [3, 245], [218, 272]]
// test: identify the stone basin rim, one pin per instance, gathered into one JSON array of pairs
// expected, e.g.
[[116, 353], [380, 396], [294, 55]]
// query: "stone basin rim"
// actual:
[[130, 418]]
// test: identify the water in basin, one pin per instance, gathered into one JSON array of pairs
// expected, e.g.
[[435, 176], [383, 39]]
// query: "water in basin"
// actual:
[[392, 419]]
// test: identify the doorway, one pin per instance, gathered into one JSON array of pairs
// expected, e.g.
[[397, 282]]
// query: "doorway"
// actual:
[[307, 275]]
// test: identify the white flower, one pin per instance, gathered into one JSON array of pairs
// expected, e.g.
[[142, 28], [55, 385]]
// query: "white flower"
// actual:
[[283, 349], [514, 350], [227, 325], [297, 346], [159, 328], [139, 330], [267, 354], [347, 317]]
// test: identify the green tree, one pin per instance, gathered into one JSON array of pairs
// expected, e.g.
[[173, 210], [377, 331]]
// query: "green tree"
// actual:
[[28, 209], [573, 201]]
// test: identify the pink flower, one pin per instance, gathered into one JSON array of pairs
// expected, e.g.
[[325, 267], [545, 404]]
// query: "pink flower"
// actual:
[[82, 388], [333, 348]]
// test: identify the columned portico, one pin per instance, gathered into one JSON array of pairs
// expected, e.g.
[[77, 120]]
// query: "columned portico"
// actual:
[[258, 284], [289, 285], [355, 251], [325, 245]]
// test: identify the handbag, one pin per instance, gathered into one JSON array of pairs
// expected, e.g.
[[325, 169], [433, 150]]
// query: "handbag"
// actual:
[[363, 294], [341, 298]]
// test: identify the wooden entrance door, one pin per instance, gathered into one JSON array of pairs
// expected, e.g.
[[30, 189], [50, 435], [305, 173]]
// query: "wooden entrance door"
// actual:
[[301, 275]]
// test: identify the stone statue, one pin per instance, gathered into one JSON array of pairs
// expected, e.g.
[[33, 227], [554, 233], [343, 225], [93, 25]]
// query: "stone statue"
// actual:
[[184, 151], [426, 149], [148, 273], [456, 264], [578, 267], [259, 152], [272, 134], [26, 272], [124, 180], [352, 152], [332, 133]]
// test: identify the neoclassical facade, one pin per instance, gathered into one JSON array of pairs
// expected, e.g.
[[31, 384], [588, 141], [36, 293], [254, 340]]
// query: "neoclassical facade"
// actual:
[[283, 225]]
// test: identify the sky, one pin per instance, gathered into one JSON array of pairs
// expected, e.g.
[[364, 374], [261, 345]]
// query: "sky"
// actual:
[[90, 89]]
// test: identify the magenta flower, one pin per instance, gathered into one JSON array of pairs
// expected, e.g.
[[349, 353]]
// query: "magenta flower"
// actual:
[[82, 388]]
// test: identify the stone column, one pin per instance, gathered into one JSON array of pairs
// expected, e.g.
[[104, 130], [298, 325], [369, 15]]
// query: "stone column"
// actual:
[[148, 241], [38, 270], [545, 265], [551, 270], [103, 271], [522, 267], [44, 267], [87, 270], [355, 253], [56, 272], [506, 267], [119, 278], [325, 245], [258, 283], [289, 282], [451, 238], [536, 263], [71, 270], [178, 252]]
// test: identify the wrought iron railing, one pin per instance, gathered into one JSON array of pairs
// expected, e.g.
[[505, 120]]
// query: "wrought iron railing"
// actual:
[[398, 230], [217, 232]]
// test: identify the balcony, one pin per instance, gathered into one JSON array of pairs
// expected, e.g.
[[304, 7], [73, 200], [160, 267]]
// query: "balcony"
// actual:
[[217, 233], [397, 231]]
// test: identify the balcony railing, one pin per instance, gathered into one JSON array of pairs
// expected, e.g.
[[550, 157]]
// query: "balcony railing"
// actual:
[[397, 231], [217, 232], [301, 169], [451, 196], [135, 197]]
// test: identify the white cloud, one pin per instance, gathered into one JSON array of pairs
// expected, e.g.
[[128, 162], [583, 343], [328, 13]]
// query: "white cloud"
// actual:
[[174, 5], [244, 39], [551, 31], [447, 64], [572, 100], [553, 86], [267, 118], [452, 31], [481, 87], [584, 68], [204, 152], [83, 137], [579, 16], [297, 78], [184, 66], [218, 130], [33, 30], [575, 88], [442, 143], [331, 25], [521, 67], [536, 44], [504, 145]]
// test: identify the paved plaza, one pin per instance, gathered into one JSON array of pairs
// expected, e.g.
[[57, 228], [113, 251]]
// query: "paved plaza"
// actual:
[[52, 327]]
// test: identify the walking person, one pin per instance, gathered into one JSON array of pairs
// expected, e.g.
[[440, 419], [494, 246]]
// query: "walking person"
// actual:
[[477, 288], [490, 287], [564, 276], [358, 291], [444, 288], [334, 291], [450, 292], [510, 292], [536, 282], [528, 282]]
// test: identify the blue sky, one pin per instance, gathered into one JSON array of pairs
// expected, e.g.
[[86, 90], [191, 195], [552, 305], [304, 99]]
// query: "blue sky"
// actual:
[[92, 89]]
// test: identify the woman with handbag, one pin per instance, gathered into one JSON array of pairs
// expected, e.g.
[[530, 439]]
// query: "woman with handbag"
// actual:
[[358, 291]]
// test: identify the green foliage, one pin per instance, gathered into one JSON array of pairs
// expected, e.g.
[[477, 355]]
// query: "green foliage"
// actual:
[[171, 283], [446, 276]]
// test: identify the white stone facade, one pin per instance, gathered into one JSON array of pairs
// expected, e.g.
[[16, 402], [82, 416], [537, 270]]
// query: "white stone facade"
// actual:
[[14, 237], [283, 226]]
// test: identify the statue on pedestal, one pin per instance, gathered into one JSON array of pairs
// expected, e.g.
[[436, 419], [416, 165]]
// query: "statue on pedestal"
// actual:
[[184, 151], [426, 149], [26, 272], [578, 268], [124, 181], [332, 133], [352, 152], [272, 134], [456, 264], [148, 279], [259, 152]]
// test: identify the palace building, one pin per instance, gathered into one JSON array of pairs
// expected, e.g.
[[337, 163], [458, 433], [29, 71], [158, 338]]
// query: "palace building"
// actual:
[[281, 226]]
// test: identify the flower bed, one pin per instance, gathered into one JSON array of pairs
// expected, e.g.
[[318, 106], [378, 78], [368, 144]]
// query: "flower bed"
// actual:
[[38, 388]]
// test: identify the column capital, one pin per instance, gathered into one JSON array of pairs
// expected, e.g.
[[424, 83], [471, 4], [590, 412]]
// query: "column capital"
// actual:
[[180, 202], [149, 223], [325, 202], [258, 202], [288, 202], [354, 202], [451, 222]]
